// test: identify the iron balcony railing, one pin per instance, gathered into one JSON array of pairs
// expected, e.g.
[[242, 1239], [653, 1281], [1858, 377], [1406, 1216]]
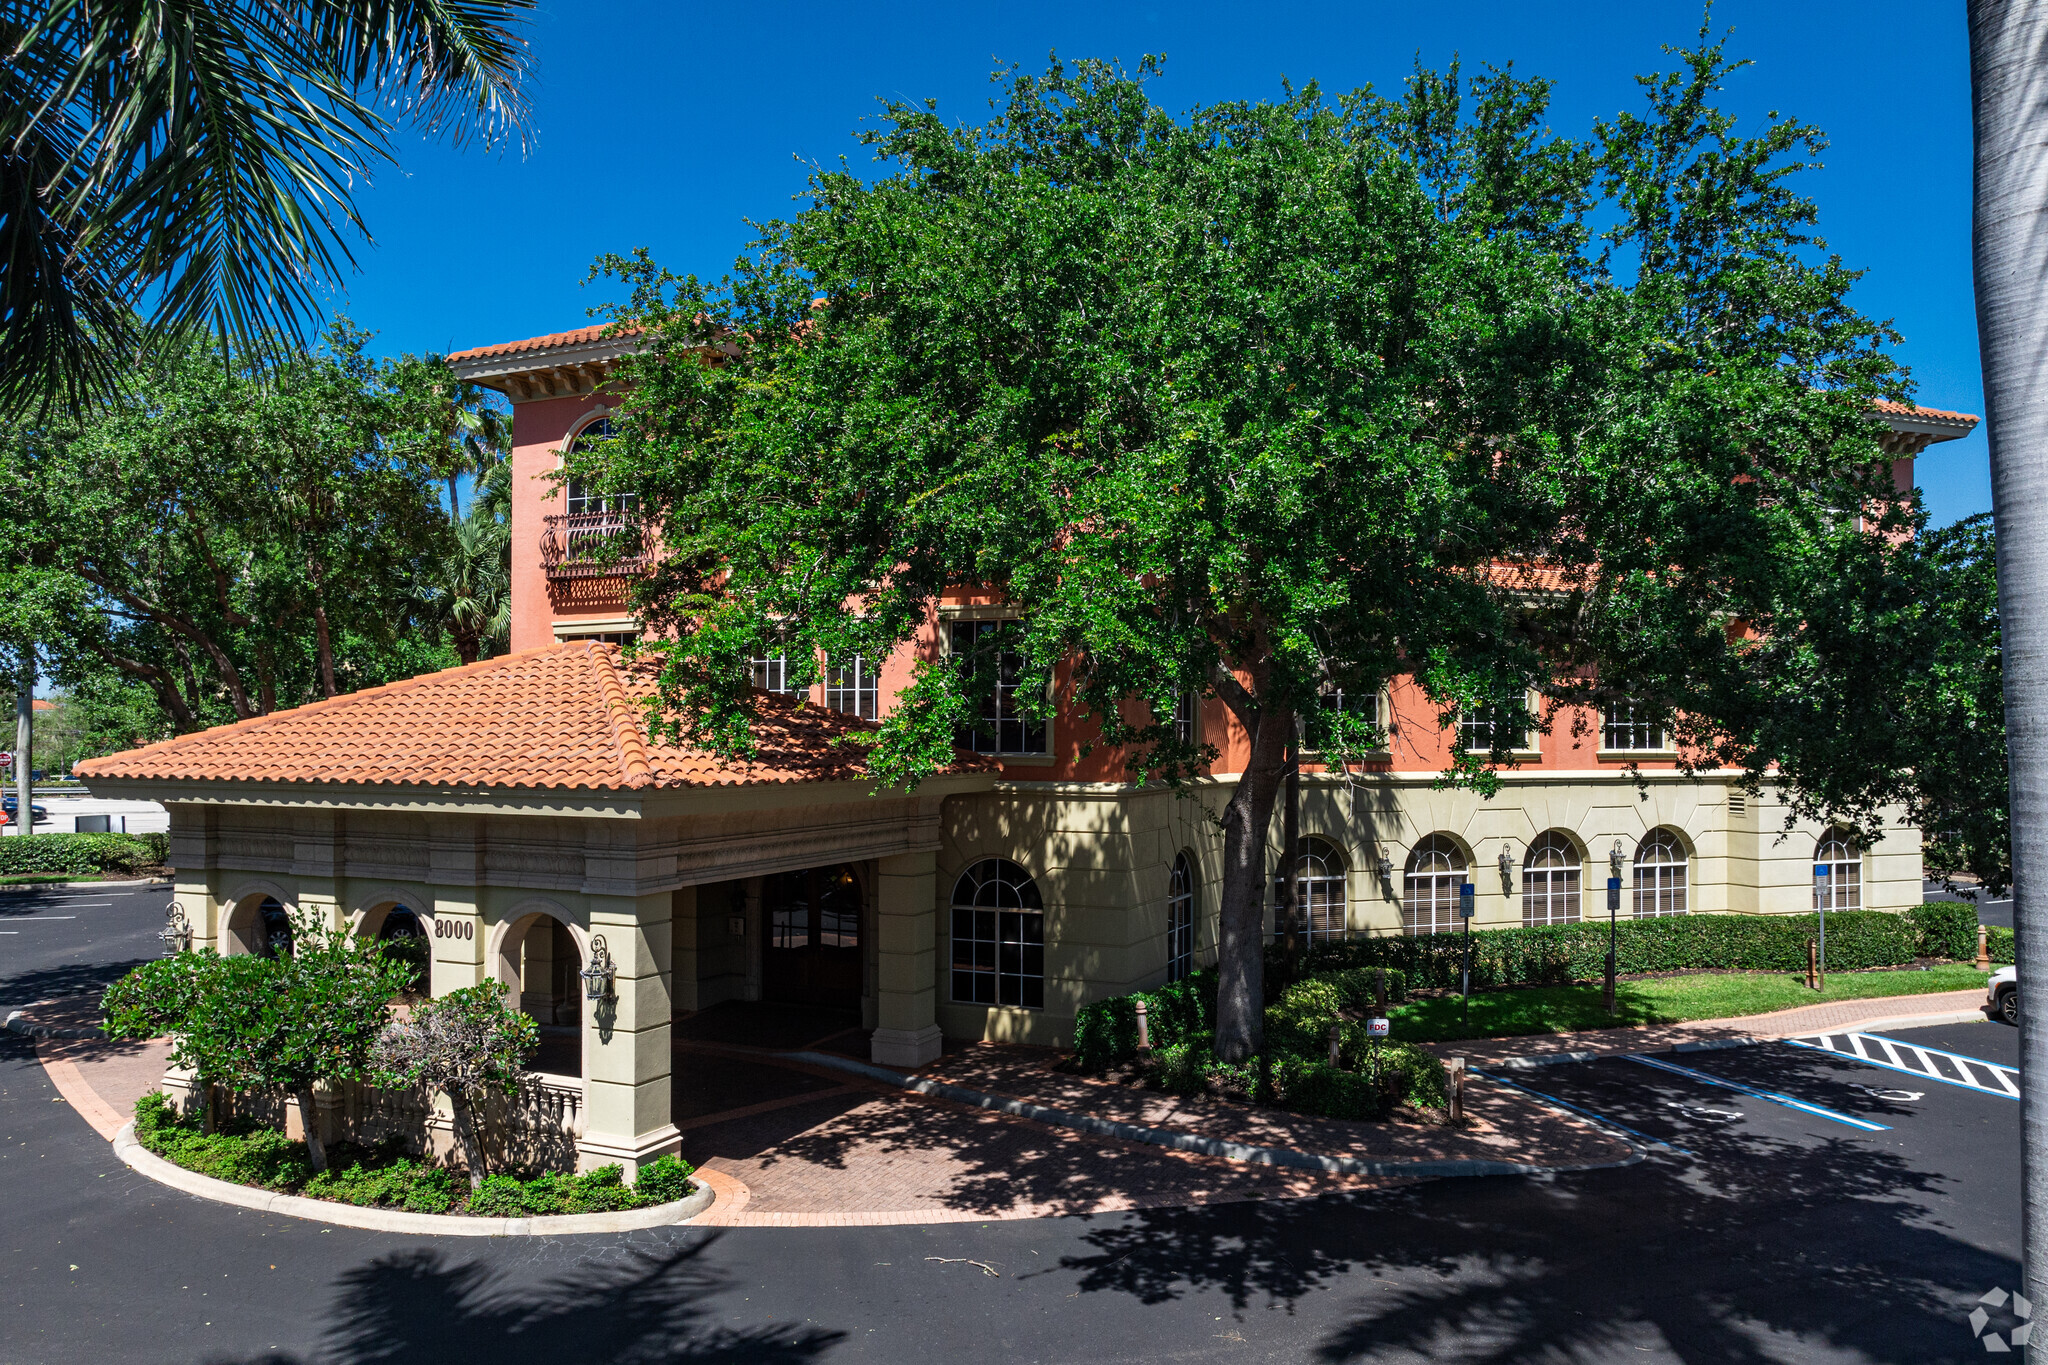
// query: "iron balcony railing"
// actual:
[[593, 545]]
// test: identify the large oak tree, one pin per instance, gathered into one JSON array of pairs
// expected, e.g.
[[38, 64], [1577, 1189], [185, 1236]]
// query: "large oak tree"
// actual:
[[1258, 403]]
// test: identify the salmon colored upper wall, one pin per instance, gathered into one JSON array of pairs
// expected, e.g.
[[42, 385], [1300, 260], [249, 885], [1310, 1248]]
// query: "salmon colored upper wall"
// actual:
[[539, 431]]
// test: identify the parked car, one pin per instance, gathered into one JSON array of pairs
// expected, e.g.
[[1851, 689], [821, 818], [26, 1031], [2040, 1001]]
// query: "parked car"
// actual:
[[9, 803], [2002, 994]]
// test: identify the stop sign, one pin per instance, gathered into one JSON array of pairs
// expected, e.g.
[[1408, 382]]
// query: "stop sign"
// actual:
[[6, 759]]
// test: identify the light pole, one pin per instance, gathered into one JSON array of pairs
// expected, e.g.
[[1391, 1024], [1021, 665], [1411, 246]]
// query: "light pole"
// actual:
[[1821, 889], [1465, 915], [1613, 918]]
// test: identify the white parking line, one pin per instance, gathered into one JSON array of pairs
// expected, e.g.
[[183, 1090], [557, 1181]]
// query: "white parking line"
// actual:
[[1773, 1096], [1895, 1054]]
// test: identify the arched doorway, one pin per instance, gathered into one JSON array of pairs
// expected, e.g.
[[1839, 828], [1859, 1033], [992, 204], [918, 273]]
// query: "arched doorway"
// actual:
[[258, 925], [541, 964], [811, 952], [403, 932]]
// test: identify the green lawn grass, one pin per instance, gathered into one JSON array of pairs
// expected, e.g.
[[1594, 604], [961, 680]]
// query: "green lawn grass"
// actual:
[[1664, 1000]]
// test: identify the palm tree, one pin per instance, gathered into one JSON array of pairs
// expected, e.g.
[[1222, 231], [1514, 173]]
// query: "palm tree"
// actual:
[[2009, 79], [198, 158], [474, 586]]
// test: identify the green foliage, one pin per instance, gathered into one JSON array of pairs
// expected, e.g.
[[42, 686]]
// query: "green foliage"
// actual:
[[291, 1021], [81, 854], [204, 162], [382, 1177], [1107, 1030], [1553, 954], [2001, 945], [236, 537], [665, 1179], [242, 1152], [415, 1186], [1266, 402], [1944, 929], [157, 997]]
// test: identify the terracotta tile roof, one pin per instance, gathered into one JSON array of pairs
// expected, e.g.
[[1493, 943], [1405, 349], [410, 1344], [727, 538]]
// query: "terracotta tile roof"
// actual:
[[580, 337], [566, 716], [1925, 414]]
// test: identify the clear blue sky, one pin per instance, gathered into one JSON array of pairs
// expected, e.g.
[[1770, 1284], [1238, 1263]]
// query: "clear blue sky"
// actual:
[[665, 125]]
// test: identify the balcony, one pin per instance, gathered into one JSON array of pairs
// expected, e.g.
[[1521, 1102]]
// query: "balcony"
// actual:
[[593, 545]]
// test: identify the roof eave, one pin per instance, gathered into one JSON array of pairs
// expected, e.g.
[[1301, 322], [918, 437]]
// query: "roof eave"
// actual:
[[566, 371]]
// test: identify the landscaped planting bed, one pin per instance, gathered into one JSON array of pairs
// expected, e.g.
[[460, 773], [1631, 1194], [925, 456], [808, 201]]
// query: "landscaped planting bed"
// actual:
[[1370, 1080], [245, 1153]]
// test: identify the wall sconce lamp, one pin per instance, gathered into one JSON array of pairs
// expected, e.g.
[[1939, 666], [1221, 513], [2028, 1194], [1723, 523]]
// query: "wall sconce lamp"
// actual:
[[597, 977], [177, 930], [1386, 865], [1507, 862], [1615, 858]]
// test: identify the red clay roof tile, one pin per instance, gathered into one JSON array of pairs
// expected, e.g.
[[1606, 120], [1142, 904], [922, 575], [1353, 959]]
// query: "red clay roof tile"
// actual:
[[579, 337], [569, 715]]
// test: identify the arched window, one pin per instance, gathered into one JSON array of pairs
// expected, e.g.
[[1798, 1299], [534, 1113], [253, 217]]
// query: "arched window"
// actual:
[[1550, 880], [1319, 888], [1841, 886], [1435, 869], [998, 936], [581, 499], [1180, 919], [1660, 875]]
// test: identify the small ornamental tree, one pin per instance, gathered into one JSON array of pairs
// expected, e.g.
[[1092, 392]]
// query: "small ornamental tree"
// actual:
[[158, 998], [292, 1022], [467, 1045]]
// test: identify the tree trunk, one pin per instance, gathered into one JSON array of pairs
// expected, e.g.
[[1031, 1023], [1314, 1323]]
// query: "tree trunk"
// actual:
[[2009, 81], [309, 1119], [1241, 945], [1287, 908], [466, 1138], [325, 641]]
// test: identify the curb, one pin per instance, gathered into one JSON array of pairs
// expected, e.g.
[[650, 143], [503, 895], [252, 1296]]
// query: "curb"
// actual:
[[398, 1220], [1196, 1142], [1893, 1021], [16, 1024]]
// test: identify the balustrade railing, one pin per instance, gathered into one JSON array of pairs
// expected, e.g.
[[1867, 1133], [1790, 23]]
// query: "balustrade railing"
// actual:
[[593, 545]]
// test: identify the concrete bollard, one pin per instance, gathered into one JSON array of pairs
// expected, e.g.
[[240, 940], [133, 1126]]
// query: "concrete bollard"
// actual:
[[1144, 1032], [1983, 948], [1456, 1067], [1336, 1038]]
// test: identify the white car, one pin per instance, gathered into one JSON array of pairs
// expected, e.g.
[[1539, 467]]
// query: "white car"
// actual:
[[2002, 994]]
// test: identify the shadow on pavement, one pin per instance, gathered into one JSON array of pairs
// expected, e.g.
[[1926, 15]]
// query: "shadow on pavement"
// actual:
[[1826, 1241], [51, 983], [425, 1307]]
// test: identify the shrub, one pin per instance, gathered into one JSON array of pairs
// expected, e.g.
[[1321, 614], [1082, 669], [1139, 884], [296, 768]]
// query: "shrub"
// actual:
[[81, 855], [1552, 955], [2001, 946], [665, 1180], [499, 1196], [415, 1186], [468, 1045], [1106, 1032], [1946, 929]]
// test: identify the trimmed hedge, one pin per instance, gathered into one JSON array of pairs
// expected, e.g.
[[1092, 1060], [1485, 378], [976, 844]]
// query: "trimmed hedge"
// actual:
[[81, 855], [1555, 955], [1106, 1032], [2001, 946]]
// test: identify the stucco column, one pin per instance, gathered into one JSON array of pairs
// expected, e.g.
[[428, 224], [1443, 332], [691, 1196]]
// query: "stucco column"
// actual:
[[753, 938], [458, 943], [906, 958], [683, 952], [626, 1105]]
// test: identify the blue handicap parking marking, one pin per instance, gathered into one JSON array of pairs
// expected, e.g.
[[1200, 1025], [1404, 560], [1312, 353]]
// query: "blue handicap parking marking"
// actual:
[[1914, 1059], [1594, 1116]]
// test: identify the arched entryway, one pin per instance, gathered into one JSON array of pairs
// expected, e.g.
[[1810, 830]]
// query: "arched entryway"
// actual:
[[260, 925], [811, 953], [404, 933], [541, 963]]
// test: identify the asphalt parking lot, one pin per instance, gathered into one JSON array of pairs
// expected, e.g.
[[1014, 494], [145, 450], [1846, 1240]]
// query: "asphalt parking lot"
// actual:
[[75, 937], [1993, 910], [1759, 1232]]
